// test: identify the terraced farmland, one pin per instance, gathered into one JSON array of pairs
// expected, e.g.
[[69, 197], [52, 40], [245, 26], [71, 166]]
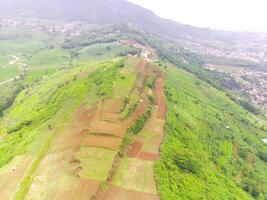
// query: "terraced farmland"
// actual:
[[133, 174], [84, 137]]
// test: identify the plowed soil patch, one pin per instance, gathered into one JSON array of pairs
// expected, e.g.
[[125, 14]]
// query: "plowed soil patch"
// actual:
[[138, 112], [134, 149], [110, 117], [10, 178], [159, 95], [148, 156], [82, 117], [102, 141], [115, 193], [71, 137], [113, 105], [83, 191], [108, 128]]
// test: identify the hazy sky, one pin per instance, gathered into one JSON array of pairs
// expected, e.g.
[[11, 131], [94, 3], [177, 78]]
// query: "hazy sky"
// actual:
[[243, 15]]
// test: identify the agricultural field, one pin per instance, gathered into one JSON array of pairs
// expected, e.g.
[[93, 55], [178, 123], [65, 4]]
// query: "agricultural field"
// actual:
[[90, 114], [109, 118]]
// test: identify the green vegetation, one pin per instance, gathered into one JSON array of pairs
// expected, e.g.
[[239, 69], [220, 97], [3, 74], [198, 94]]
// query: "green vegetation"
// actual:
[[42, 101], [7, 73], [101, 52], [212, 145], [8, 92], [27, 179], [139, 123], [95, 162]]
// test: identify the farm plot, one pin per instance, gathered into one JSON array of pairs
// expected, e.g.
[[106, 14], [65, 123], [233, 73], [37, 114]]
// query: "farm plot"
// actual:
[[135, 174], [11, 173], [111, 143], [84, 190], [83, 150], [134, 177], [95, 162], [117, 193]]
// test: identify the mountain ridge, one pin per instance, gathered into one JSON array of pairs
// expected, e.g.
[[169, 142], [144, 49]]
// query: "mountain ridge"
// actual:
[[116, 11]]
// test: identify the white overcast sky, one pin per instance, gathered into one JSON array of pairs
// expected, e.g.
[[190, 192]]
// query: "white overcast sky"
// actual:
[[237, 15]]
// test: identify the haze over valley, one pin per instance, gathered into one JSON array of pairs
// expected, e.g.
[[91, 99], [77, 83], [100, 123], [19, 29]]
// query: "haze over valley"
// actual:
[[105, 100]]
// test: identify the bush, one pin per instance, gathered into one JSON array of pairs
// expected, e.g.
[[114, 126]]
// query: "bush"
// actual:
[[150, 83], [187, 163], [19, 127], [139, 123], [151, 99], [249, 107]]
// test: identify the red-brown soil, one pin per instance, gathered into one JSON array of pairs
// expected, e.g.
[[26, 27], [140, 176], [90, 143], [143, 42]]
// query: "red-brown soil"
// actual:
[[84, 190], [107, 128], [115, 193], [110, 117], [9, 179], [138, 112], [148, 156], [158, 93], [111, 143], [113, 105], [134, 149], [99, 126]]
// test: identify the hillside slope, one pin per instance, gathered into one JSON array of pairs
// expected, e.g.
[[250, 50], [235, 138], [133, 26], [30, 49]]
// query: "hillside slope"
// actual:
[[212, 148]]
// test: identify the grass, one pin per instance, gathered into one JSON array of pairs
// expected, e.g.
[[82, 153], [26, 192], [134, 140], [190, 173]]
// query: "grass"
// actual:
[[49, 103], [95, 162], [53, 58], [135, 174], [137, 126], [202, 126], [101, 52], [8, 73], [34, 75], [27, 179]]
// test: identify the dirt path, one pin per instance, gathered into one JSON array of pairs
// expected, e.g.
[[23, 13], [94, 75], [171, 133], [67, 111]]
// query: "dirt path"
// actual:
[[15, 60]]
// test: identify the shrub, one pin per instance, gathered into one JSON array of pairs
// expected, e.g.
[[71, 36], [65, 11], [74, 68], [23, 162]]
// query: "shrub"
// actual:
[[139, 123], [19, 127]]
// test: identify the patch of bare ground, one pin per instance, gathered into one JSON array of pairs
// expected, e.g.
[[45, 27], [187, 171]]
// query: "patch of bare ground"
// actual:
[[138, 112], [134, 149], [111, 143], [10, 176], [84, 190], [116, 193], [158, 93], [250, 160], [147, 156], [239, 177], [58, 175], [235, 151], [113, 105], [135, 180]]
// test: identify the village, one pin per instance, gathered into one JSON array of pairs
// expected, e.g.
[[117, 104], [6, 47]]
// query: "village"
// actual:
[[253, 83], [253, 51], [68, 28]]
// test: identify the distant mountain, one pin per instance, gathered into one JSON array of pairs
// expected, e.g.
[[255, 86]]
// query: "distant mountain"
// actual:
[[114, 11]]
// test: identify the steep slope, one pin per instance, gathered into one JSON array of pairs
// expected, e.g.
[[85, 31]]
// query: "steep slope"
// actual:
[[212, 148]]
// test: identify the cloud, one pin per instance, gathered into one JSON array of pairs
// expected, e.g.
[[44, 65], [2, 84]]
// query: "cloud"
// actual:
[[241, 15]]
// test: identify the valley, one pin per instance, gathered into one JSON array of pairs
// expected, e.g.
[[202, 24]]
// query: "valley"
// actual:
[[98, 103]]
